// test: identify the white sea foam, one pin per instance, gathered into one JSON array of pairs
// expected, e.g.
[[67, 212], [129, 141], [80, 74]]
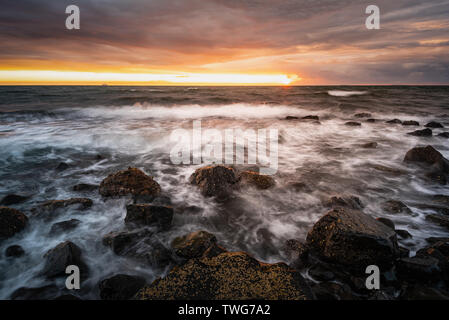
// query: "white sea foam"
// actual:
[[341, 93]]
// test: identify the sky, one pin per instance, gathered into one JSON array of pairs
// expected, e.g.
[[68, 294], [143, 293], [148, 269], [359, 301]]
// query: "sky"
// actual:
[[224, 42]]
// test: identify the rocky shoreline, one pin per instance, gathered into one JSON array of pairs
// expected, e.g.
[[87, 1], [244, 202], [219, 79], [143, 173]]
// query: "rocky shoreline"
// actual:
[[329, 264]]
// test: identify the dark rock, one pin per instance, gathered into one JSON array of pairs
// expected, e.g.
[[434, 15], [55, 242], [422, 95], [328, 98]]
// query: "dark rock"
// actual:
[[311, 118], [296, 252], [395, 207], [391, 171], [49, 209], [14, 251], [362, 115], [410, 123], [121, 242], [394, 121], [429, 156], [85, 187], [331, 291], [64, 226], [353, 239], [291, 118], [228, 276], [68, 297], [387, 222], [353, 124], [63, 255], [257, 180], [13, 199], [444, 135], [403, 234], [370, 145], [421, 133], [351, 202], [404, 252], [12, 221], [320, 273], [418, 268], [434, 124], [371, 120], [120, 287], [441, 199], [433, 240], [193, 245], [62, 166], [190, 210], [148, 214], [439, 219], [419, 292], [215, 181], [132, 181], [42, 293]]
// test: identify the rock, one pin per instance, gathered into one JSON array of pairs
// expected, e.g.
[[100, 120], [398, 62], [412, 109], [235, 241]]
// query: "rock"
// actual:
[[419, 293], [370, 145], [67, 297], [64, 254], [121, 242], [441, 199], [12, 221], [13, 199], [62, 166], [444, 135], [362, 115], [215, 181], [311, 118], [148, 214], [394, 121], [257, 180], [42, 293], [296, 252], [433, 240], [404, 252], [353, 239], [439, 251], [64, 226], [387, 222], [429, 156], [371, 120], [49, 209], [351, 202], [418, 268], [421, 133], [353, 124], [391, 171], [319, 273], [439, 219], [331, 291], [120, 287], [403, 234], [85, 187], [396, 207], [228, 276], [410, 123], [193, 245], [14, 251], [131, 181], [434, 124], [291, 118]]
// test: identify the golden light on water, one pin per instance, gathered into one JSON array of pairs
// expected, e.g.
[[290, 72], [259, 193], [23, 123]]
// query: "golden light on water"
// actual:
[[33, 76]]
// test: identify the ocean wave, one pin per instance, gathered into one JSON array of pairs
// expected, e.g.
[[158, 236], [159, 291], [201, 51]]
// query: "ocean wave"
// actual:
[[341, 93]]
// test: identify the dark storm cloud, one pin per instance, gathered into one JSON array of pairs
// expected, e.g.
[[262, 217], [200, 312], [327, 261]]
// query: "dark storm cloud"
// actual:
[[198, 32]]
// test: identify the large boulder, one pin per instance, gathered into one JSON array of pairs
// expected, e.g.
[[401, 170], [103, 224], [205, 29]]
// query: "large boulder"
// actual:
[[215, 181], [353, 239], [12, 221], [13, 199], [14, 251], [193, 245], [64, 226], [428, 156], [131, 181], [228, 276], [120, 287], [257, 180], [147, 214], [60, 257], [50, 209], [396, 207]]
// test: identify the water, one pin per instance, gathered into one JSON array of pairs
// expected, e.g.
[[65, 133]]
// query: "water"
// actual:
[[131, 126]]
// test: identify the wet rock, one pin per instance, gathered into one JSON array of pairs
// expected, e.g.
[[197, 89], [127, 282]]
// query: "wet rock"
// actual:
[[84, 187], [434, 124], [12, 221], [122, 241], [331, 291], [14, 251], [215, 181], [403, 234], [319, 273], [296, 252], [64, 226], [62, 166], [391, 171], [291, 118], [371, 120], [394, 121], [441, 199], [387, 222], [396, 207], [131, 181], [404, 252], [418, 268], [193, 245], [370, 145], [228, 276], [257, 180], [444, 135], [353, 239], [64, 254], [192, 210], [421, 133], [418, 292], [42, 293], [345, 201], [438, 219], [433, 240], [49, 209], [410, 123], [13, 199], [317, 118], [120, 287], [148, 214], [68, 297], [439, 251], [353, 124], [428, 156], [362, 115]]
